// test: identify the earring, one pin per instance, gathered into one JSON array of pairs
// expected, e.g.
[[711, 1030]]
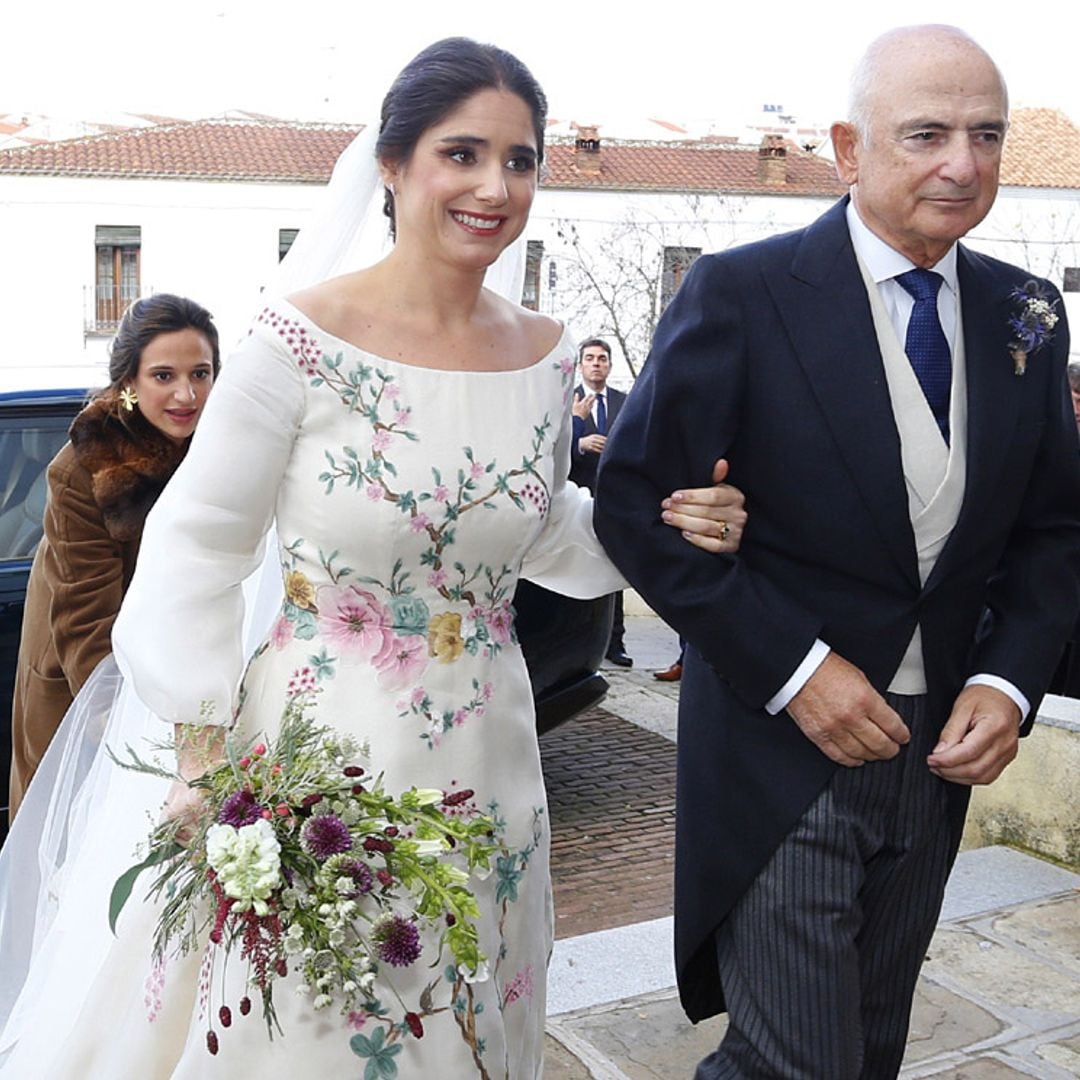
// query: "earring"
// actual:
[[128, 399]]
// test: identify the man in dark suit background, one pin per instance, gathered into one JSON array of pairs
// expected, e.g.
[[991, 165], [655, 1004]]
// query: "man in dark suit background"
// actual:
[[904, 585], [600, 405]]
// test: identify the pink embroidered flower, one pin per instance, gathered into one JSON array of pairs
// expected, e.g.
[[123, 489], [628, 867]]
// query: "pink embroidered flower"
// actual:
[[521, 986], [302, 681], [380, 439], [419, 523], [440, 494], [357, 1020], [153, 987], [437, 578], [460, 717], [566, 365], [418, 695], [375, 491], [400, 661], [355, 621], [392, 391], [281, 633], [501, 624], [487, 690], [403, 415], [476, 471]]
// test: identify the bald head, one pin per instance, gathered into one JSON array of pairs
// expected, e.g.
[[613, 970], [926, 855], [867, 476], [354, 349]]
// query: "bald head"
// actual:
[[922, 150], [901, 50]]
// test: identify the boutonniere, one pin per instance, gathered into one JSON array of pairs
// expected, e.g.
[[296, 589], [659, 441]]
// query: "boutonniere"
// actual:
[[1032, 325]]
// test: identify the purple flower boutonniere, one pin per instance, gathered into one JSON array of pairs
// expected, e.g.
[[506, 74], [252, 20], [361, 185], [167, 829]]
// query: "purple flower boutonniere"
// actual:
[[1032, 325]]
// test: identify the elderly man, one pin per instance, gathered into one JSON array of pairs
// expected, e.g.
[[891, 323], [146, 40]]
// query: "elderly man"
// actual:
[[904, 586]]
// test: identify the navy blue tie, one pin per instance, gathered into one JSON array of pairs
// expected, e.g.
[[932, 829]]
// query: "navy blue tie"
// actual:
[[926, 346], [601, 415]]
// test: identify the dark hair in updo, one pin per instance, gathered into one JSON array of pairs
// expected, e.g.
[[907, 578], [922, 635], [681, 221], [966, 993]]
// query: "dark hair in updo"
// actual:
[[437, 81]]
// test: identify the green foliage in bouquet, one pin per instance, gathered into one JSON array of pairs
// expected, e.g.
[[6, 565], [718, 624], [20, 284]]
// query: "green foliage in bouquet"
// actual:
[[302, 859]]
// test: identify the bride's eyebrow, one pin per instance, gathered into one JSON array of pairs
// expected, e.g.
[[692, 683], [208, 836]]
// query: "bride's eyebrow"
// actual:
[[476, 140]]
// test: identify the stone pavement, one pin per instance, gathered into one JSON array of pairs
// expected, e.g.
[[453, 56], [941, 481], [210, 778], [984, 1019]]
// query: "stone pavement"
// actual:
[[999, 996]]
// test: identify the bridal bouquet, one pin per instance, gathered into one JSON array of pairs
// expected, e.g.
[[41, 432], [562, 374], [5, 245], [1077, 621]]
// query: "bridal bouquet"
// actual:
[[302, 860]]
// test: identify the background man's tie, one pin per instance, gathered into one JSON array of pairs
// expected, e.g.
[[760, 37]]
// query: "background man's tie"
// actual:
[[601, 415]]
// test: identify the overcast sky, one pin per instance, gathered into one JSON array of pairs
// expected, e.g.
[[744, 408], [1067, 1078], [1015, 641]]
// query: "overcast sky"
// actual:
[[333, 59]]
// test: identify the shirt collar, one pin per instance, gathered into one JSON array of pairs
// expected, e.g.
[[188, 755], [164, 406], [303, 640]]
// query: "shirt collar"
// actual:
[[884, 262]]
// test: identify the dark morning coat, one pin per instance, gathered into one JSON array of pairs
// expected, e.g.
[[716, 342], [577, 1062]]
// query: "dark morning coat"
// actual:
[[583, 465], [768, 356], [101, 486]]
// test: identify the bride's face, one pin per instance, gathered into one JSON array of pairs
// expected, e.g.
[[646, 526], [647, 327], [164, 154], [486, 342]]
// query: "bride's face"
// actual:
[[465, 192]]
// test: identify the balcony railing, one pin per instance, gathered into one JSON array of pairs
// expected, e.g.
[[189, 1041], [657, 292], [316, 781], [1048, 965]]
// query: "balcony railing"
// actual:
[[104, 306]]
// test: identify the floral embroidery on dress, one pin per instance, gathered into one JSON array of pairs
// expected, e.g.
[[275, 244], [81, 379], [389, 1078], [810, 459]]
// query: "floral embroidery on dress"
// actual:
[[389, 627]]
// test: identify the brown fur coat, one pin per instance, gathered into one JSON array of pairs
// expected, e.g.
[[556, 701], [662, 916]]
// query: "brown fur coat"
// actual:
[[102, 485]]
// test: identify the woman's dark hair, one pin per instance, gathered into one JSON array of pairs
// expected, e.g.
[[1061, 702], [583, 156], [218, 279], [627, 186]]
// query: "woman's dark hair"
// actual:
[[437, 81], [144, 320]]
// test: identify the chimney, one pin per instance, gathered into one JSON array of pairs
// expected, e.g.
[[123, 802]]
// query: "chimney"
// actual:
[[772, 161], [587, 150]]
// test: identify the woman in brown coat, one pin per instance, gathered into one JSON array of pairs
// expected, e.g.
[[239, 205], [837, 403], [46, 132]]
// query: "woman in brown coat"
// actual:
[[124, 446]]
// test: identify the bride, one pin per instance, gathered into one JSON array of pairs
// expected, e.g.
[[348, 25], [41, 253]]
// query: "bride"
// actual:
[[407, 432]]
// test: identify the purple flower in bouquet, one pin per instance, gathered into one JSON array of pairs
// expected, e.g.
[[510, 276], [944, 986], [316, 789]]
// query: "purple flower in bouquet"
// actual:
[[355, 871], [325, 835], [240, 809], [397, 938]]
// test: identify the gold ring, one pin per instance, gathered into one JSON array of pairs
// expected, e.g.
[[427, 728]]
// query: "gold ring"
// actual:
[[725, 531]]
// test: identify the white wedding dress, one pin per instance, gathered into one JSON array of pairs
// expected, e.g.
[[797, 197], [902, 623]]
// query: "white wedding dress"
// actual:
[[408, 501]]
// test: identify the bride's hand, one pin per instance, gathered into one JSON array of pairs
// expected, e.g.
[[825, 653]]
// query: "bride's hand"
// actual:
[[187, 804], [710, 518], [198, 749]]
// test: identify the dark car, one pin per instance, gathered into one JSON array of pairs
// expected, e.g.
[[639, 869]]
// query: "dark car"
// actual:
[[563, 640]]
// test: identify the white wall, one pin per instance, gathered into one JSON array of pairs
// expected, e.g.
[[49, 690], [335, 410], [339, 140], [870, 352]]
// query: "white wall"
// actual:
[[217, 242], [214, 242], [712, 223]]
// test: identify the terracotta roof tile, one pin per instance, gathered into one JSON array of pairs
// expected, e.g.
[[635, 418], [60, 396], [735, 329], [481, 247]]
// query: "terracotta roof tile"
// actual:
[[696, 166], [1042, 150], [254, 151]]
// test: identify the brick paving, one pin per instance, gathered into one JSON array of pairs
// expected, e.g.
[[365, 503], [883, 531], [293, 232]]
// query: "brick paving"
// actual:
[[611, 797]]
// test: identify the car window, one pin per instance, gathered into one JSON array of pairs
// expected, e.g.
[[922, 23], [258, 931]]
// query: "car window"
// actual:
[[27, 445]]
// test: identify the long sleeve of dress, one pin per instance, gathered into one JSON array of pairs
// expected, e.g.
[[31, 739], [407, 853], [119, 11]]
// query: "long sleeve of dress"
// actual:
[[178, 636], [566, 556]]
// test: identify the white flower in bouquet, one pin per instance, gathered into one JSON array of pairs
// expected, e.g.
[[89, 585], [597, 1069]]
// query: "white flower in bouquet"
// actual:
[[247, 862]]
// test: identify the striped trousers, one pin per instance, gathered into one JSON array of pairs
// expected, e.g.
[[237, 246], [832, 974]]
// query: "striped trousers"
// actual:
[[819, 958]]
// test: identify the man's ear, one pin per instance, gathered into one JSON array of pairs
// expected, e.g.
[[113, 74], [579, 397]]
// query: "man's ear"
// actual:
[[845, 141]]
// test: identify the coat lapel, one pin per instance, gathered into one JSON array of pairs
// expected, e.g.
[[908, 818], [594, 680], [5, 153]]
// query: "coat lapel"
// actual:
[[991, 391], [823, 304]]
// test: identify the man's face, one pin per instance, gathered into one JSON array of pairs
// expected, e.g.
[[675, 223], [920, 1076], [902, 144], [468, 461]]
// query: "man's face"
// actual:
[[595, 367], [927, 173], [1076, 407]]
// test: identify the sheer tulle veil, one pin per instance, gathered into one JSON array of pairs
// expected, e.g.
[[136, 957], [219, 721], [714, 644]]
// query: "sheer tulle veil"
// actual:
[[83, 816]]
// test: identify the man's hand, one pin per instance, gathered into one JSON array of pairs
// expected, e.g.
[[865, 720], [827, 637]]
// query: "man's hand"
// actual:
[[845, 717], [979, 739], [710, 518], [591, 444], [582, 406]]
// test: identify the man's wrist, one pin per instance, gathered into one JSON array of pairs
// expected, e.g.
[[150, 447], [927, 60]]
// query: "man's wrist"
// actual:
[[799, 678]]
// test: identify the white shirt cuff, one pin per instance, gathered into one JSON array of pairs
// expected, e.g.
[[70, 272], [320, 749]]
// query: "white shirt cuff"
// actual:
[[814, 658], [1006, 687]]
